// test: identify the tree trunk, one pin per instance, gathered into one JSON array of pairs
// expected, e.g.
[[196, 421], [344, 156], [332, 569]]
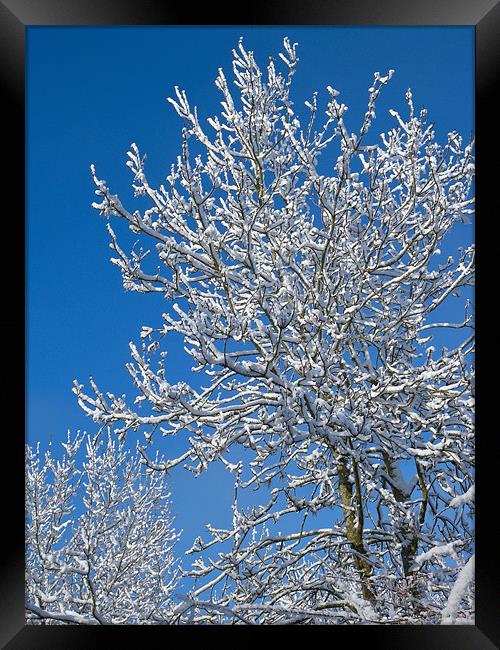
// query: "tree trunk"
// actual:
[[409, 534], [353, 517]]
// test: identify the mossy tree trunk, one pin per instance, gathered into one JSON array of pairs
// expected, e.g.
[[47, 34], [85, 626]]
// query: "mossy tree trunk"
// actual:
[[351, 498]]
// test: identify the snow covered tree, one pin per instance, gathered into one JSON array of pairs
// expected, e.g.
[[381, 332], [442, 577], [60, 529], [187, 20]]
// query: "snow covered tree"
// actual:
[[306, 267], [99, 537]]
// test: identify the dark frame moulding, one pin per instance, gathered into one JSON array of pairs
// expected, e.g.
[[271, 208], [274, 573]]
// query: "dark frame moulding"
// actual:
[[484, 15]]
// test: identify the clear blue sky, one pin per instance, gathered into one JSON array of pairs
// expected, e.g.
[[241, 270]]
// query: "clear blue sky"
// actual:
[[91, 92]]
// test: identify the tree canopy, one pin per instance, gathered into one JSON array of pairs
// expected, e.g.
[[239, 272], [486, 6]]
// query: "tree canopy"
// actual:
[[305, 267]]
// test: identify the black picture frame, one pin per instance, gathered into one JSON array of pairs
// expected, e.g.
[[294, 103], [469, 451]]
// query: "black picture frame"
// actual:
[[15, 17]]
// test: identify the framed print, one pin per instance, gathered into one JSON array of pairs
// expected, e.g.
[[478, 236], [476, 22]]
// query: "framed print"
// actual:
[[249, 315]]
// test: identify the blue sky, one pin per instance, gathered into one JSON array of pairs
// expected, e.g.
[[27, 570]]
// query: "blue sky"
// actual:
[[91, 92]]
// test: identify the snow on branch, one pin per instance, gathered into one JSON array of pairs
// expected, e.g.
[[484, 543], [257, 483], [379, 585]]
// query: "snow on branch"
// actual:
[[305, 265], [99, 537]]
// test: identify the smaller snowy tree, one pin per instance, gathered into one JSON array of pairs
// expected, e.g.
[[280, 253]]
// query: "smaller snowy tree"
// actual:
[[99, 537]]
